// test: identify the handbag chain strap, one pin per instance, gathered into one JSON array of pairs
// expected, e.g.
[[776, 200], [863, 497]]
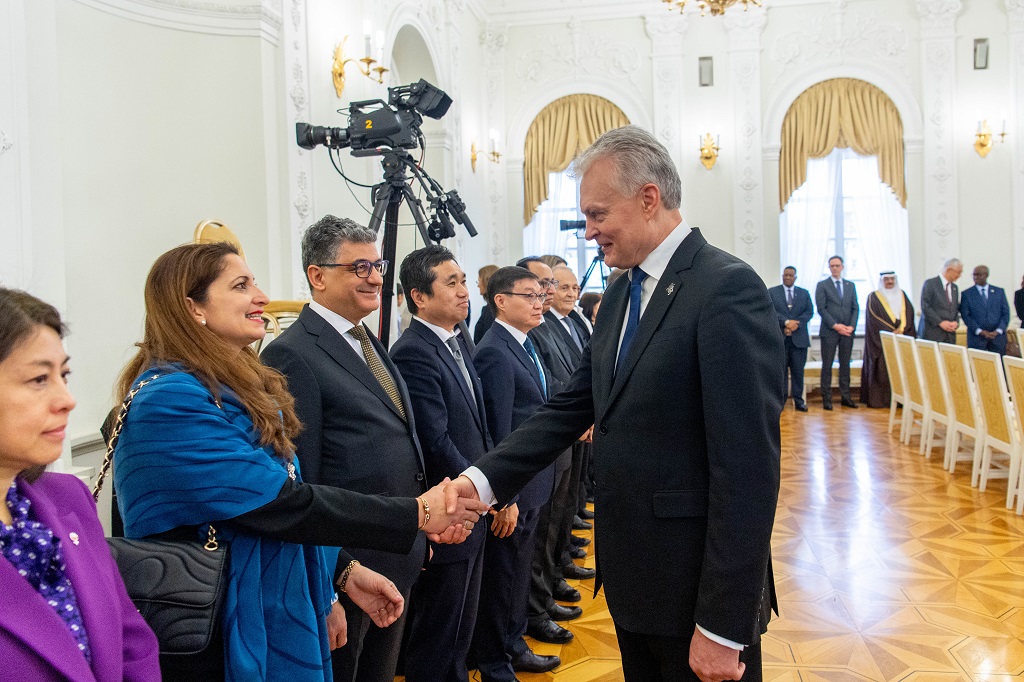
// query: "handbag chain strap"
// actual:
[[211, 535]]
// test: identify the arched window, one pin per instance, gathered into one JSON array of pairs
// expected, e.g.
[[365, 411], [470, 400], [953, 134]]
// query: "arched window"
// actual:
[[842, 189], [556, 136]]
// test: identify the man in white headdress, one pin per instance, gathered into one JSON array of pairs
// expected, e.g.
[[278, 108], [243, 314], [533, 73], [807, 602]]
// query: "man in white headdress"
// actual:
[[889, 310]]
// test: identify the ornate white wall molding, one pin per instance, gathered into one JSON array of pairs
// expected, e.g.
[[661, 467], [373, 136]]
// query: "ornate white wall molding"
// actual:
[[300, 161], [494, 40], [667, 39], [5, 142], [583, 54], [938, 87], [258, 19], [1015, 11], [744, 30]]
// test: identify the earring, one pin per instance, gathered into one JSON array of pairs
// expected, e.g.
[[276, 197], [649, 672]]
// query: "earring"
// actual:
[[202, 322]]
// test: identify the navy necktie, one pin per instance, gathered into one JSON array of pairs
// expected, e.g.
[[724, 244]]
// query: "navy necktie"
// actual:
[[789, 297], [528, 345], [633, 320], [984, 293], [839, 289]]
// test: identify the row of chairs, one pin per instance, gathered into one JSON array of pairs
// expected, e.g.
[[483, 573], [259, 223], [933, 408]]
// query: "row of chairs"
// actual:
[[966, 392]]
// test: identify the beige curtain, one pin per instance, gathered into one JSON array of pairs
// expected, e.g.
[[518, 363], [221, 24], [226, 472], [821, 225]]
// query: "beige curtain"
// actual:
[[842, 112], [562, 130]]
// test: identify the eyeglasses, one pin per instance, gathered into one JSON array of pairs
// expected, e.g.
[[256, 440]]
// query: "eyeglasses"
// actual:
[[548, 283], [534, 299], [360, 267]]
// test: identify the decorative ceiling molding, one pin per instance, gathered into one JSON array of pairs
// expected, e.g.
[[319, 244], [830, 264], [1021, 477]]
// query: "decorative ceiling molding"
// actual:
[[532, 12], [938, 17], [258, 19], [584, 54]]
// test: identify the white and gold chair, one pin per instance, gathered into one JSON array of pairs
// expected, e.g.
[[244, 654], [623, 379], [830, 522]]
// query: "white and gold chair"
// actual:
[[963, 395], [1000, 431], [278, 316], [917, 399], [934, 381], [892, 367], [213, 231], [1015, 380]]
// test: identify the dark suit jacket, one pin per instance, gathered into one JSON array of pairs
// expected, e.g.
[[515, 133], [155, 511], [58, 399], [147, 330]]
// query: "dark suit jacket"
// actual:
[[559, 359], [451, 423], [558, 328], [581, 326], [512, 392], [483, 323], [935, 308], [834, 311], [1018, 303], [802, 311], [35, 643], [686, 447], [353, 436], [979, 314]]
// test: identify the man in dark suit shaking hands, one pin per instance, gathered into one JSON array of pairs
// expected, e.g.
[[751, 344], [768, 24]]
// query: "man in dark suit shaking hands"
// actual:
[[794, 309], [683, 380], [838, 307], [986, 313]]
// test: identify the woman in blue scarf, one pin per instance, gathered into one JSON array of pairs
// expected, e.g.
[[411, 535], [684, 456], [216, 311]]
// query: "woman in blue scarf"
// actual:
[[207, 441]]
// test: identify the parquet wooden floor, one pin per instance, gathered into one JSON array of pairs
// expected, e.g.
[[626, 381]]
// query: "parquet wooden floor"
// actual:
[[887, 567]]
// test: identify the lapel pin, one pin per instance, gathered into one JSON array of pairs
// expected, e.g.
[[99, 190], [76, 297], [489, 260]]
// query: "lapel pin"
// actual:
[[73, 537], [671, 287]]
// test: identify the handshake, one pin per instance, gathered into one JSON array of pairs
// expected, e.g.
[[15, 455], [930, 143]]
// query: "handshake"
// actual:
[[449, 510]]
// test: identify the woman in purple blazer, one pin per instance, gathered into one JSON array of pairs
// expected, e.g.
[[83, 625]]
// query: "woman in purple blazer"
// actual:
[[66, 615]]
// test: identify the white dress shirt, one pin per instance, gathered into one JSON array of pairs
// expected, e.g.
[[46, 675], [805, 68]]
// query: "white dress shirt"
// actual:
[[343, 325]]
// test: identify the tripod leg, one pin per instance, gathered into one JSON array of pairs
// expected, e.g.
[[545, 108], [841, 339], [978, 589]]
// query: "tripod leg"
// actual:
[[389, 247]]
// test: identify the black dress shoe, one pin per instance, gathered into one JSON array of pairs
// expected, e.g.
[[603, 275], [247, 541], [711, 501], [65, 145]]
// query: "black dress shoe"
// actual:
[[535, 663], [578, 541], [548, 631], [580, 524], [586, 514], [559, 612], [563, 591], [801, 407], [574, 572], [827, 406], [848, 403], [577, 552]]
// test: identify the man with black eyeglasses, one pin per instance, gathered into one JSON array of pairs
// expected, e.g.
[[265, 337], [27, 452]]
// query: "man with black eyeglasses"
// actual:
[[358, 427]]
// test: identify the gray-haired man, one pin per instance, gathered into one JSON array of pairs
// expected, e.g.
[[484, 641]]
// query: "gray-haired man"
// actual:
[[940, 304]]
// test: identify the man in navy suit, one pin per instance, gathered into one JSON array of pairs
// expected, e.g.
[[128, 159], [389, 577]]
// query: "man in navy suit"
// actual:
[[447, 397], [986, 313], [794, 309], [515, 385], [837, 303]]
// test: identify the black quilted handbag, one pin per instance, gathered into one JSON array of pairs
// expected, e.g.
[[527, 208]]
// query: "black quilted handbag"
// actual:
[[178, 587]]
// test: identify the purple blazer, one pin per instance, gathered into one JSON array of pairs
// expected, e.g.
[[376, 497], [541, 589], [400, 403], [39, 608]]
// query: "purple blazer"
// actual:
[[35, 644]]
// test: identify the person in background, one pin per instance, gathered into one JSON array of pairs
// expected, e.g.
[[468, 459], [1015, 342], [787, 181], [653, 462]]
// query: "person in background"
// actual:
[[940, 304], [553, 261], [402, 316], [889, 310], [590, 303], [836, 300], [66, 614], [486, 318], [209, 441], [1018, 301], [986, 313], [794, 309]]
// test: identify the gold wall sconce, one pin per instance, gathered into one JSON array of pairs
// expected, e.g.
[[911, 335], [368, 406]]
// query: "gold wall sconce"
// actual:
[[493, 154], [366, 64], [709, 150], [983, 137]]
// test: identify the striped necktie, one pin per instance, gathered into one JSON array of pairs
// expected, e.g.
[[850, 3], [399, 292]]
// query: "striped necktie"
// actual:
[[528, 345], [358, 332]]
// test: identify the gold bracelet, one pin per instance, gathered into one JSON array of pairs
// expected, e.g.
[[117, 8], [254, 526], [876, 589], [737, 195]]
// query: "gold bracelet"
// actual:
[[426, 512], [343, 581]]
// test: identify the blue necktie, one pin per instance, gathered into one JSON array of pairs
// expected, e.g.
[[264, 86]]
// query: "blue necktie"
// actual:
[[839, 289], [984, 293], [528, 345], [633, 320], [571, 327]]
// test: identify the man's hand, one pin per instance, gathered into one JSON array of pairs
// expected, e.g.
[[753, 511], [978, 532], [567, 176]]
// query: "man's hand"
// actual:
[[792, 325], [337, 627], [843, 329], [460, 489], [505, 521], [374, 594], [714, 662], [949, 325], [588, 437], [452, 515]]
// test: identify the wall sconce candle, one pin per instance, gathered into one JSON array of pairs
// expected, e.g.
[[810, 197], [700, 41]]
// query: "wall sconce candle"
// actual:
[[983, 137], [708, 150], [365, 64], [492, 151]]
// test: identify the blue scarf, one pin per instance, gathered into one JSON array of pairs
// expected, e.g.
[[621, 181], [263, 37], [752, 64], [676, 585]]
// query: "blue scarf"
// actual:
[[184, 460]]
